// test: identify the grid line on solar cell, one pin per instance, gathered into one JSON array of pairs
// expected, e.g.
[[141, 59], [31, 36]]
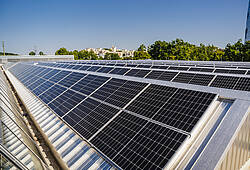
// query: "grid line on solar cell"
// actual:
[[227, 82], [89, 83], [134, 143], [118, 92], [161, 75]]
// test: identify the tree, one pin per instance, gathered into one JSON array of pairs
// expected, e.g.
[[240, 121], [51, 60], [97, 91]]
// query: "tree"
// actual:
[[41, 53], [32, 53], [142, 48], [62, 51], [111, 56]]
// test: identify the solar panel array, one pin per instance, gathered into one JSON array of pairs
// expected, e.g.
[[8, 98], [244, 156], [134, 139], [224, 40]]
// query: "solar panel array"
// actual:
[[181, 74], [133, 123]]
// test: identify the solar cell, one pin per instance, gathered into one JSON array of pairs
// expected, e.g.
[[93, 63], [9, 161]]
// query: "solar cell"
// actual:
[[36, 84], [221, 70]]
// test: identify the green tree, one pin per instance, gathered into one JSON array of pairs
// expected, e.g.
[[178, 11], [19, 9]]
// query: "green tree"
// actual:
[[142, 48], [41, 53], [111, 56], [62, 51], [32, 53]]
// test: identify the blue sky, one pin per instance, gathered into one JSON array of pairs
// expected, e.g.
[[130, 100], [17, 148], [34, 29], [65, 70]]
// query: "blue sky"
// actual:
[[79, 24]]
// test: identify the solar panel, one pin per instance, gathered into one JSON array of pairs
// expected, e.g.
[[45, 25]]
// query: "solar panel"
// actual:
[[195, 69], [36, 84], [71, 79], [51, 93], [183, 77], [243, 84], [105, 69], [137, 73], [93, 68], [221, 71], [118, 92], [50, 74], [89, 84], [59, 76], [64, 102], [88, 121], [227, 82], [151, 100], [134, 143], [178, 68], [84, 67], [42, 87], [184, 109], [119, 71], [210, 70], [201, 79], [160, 67], [237, 71]]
